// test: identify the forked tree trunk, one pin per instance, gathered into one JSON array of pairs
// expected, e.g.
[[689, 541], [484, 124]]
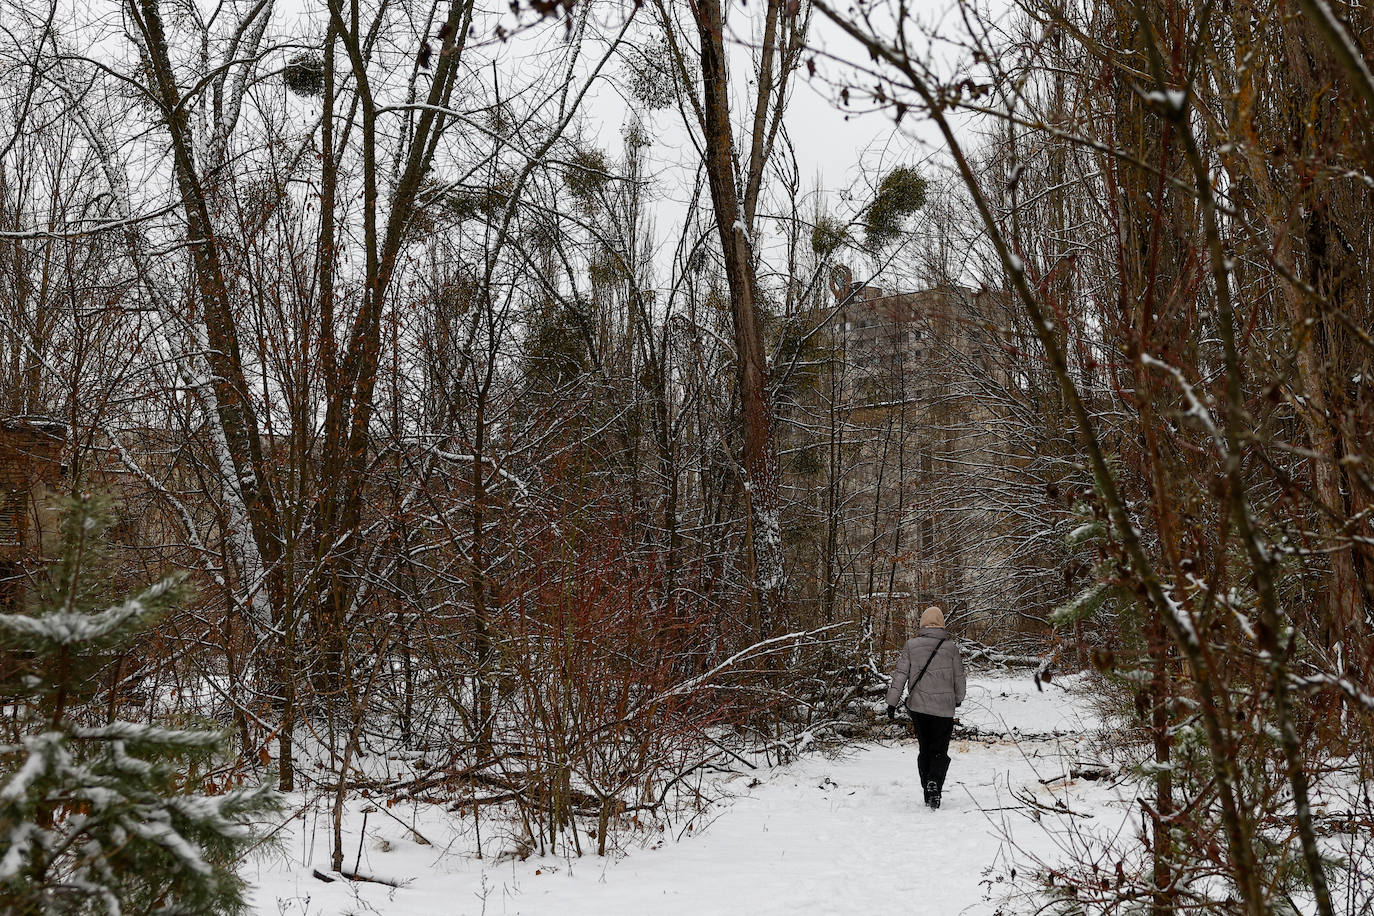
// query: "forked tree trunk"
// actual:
[[759, 451]]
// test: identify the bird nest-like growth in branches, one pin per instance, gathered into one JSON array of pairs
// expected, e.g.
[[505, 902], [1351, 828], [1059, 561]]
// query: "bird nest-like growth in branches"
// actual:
[[901, 193], [304, 74]]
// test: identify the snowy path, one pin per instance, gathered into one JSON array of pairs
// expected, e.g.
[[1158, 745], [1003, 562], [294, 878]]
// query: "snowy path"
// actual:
[[840, 835]]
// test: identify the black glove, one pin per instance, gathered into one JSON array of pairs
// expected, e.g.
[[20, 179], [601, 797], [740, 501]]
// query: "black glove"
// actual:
[[892, 714]]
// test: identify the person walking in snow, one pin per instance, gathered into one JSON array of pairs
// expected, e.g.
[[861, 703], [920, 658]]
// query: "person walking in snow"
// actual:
[[931, 670]]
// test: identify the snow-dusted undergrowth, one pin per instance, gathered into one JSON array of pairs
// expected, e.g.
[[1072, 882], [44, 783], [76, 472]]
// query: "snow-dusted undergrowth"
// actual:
[[826, 834]]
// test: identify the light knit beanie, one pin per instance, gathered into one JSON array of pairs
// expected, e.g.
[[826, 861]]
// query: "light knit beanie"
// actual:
[[933, 617]]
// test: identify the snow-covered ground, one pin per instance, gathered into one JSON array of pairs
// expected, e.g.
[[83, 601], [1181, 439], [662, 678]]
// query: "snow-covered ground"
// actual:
[[845, 834]]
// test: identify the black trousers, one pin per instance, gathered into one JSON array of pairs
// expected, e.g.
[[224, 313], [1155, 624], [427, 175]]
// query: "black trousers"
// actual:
[[932, 735]]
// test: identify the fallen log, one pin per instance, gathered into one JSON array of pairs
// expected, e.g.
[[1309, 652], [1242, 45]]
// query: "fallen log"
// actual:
[[354, 876]]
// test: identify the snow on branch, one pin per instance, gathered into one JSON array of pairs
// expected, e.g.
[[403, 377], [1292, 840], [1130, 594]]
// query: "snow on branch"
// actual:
[[72, 628], [1196, 408]]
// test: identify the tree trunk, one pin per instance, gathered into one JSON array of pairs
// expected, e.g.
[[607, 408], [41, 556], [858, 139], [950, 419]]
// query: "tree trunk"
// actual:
[[760, 456]]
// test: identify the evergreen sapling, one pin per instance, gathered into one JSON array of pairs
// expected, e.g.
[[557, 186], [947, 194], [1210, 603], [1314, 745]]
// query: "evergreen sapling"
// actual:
[[96, 815]]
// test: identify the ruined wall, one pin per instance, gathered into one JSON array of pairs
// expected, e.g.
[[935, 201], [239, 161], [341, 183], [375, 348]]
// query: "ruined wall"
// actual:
[[30, 456]]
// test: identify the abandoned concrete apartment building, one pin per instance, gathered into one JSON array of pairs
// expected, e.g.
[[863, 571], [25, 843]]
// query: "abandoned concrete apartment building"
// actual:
[[921, 450], [916, 459]]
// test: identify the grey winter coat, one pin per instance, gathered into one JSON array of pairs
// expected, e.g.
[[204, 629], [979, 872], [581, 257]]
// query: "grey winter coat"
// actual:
[[942, 687]]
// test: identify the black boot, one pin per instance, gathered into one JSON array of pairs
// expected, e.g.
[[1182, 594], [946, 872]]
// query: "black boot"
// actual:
[[932, 794]]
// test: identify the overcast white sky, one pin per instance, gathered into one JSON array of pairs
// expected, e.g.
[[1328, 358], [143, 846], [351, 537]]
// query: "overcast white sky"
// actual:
[[837, 150]]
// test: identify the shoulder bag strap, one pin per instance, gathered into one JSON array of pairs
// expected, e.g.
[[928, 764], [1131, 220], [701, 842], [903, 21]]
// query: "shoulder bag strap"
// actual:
[[933, 653]]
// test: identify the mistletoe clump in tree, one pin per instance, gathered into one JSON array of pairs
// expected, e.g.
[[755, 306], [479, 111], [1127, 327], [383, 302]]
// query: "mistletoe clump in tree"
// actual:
[[100, 816], [900, 194]]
